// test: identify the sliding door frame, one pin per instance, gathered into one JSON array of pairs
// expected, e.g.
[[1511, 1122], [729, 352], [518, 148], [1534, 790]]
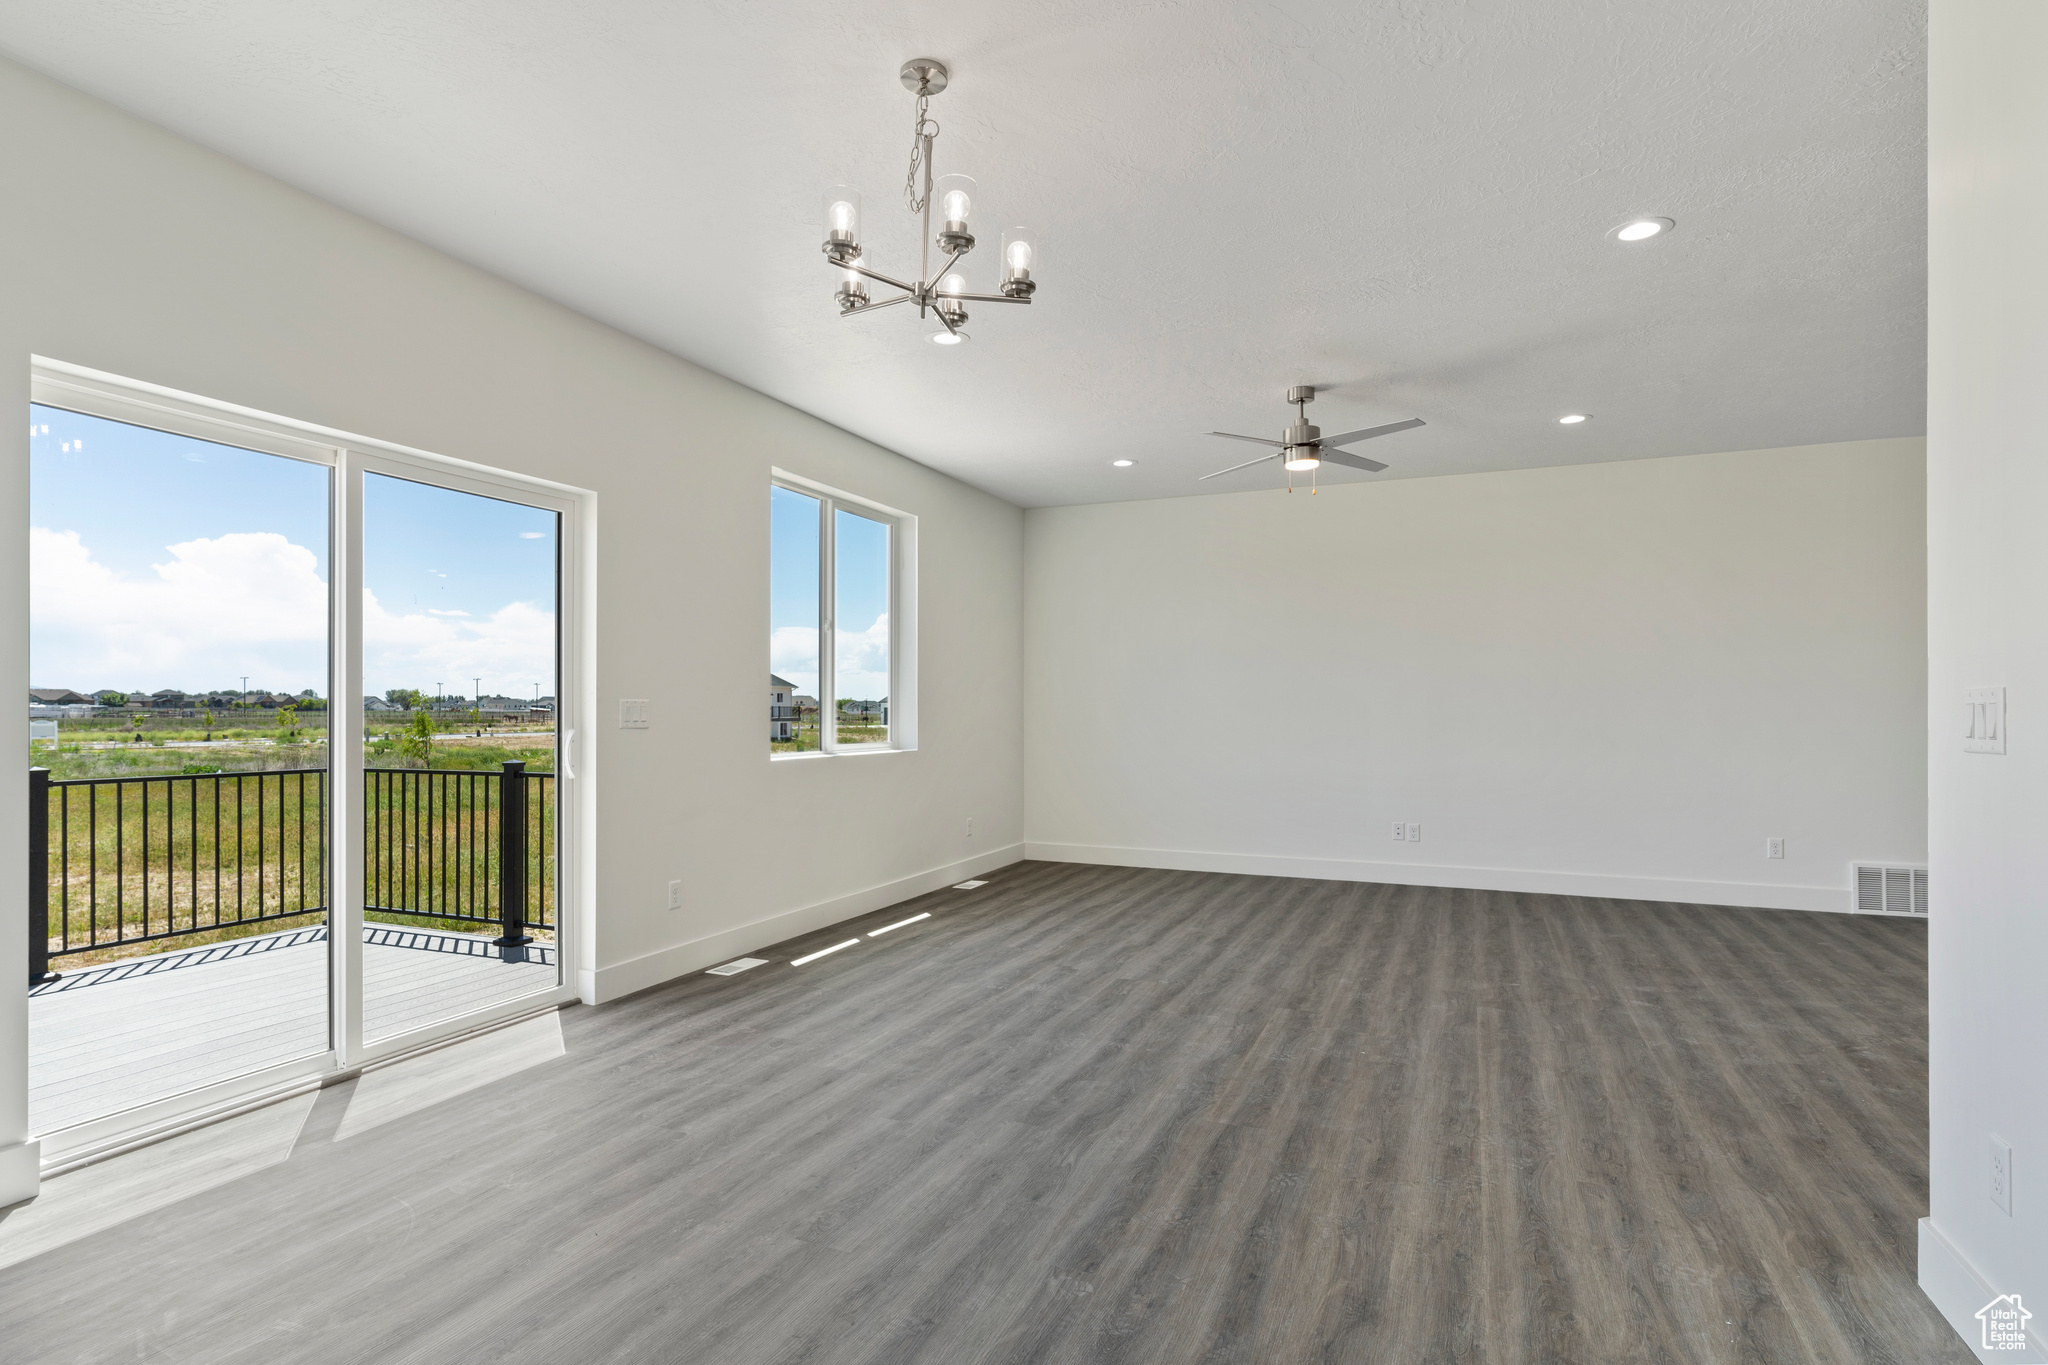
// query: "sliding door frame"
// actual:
[[349, 458]]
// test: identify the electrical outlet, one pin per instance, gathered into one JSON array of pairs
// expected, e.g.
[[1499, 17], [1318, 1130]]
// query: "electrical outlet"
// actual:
[[2001, 1174], [1774, 848], [1414, 834], [970, 827], [675, 895], [633, 713], [1400, 830]]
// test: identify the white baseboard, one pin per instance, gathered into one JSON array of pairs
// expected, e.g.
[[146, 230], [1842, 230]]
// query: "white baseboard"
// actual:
[[21, 1172], [651, 969], [1759, 895], [1958, 1290]]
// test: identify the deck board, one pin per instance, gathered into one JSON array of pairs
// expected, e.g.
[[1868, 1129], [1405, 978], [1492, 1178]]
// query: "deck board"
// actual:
[[102, 1040]]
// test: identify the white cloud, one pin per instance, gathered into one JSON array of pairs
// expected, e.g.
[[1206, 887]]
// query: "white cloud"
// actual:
[[793, 656], [533, 535], [436, 611], [863, 659], [511, 649], [249, 602], [254, 603]]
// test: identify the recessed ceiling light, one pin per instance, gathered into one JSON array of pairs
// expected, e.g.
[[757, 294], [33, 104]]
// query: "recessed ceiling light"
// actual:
[[1572, 419], [1642, 229], [1123, 464], [948, 338]]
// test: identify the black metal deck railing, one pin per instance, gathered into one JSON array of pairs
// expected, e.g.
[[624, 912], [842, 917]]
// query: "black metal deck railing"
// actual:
[[127, 860], [467, 845]]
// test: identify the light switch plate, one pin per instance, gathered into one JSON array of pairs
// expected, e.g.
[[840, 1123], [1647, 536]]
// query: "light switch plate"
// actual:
[[1984, 725], [633, 713]]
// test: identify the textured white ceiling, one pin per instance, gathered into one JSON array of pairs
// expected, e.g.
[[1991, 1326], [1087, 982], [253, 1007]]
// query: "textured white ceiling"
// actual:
[[1406, 202]]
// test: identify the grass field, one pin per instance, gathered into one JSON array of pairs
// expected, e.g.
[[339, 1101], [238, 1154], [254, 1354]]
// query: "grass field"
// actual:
[[87, 752], [806, 740], [172, 846]]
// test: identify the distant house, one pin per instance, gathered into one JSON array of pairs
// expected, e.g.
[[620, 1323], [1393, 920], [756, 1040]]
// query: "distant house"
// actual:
[[167, 699], [783, 712], [57, 696], [379, 704], [57, 703]]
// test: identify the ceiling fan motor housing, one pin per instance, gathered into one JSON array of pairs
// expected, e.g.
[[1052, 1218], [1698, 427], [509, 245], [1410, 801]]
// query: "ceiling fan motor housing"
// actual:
[[1302, 434]]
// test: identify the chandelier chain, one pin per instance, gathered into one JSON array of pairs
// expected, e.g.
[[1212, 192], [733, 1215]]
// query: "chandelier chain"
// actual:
[[921, 134]]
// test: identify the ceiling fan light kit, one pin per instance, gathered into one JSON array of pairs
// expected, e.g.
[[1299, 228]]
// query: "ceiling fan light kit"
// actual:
[[940, 293], [1302, 447]]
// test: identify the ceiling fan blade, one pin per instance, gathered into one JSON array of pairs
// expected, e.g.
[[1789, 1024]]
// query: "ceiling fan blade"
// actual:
[[1350, 461], [1368, 433], [1258, 440], [1234, 468]]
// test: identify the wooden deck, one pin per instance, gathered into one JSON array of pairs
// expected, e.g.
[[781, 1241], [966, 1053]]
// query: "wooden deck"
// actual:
[[104, 1038]]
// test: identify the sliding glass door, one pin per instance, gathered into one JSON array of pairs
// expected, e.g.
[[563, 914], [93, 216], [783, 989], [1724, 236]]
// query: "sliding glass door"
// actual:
[[298, 790], [177, 763], [460, 655]]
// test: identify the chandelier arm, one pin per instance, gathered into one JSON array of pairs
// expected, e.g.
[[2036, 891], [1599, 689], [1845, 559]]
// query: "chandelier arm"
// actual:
[[940, 314], [933, 282], [860, 269], [871, 307], [986, 298]]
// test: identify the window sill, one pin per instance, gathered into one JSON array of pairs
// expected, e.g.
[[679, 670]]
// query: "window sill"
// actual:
[[854, 752]]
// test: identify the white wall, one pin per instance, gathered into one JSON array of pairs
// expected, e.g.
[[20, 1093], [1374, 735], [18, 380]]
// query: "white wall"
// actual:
[[131, 251], [1987, 542], [1615, 679]]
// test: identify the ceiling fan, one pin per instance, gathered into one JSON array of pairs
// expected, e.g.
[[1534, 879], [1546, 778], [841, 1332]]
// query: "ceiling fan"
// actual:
[[1302, 447]]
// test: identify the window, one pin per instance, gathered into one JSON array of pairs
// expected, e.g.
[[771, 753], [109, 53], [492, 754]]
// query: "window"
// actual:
[[839, 608]]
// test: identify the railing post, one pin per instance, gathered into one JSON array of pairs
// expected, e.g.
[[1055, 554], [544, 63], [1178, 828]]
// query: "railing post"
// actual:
[[39, 876], [512, 862]]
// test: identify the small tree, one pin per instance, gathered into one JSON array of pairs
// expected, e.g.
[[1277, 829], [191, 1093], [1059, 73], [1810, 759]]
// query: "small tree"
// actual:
[[417, 742], [208, 714], [288, 721], [136, 738]]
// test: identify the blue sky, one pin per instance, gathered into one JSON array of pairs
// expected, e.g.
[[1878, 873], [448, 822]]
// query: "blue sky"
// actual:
[[862, 580], [163, 561]]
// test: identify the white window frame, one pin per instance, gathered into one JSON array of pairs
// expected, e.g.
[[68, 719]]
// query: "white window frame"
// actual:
[[349, 457], [902, 618]]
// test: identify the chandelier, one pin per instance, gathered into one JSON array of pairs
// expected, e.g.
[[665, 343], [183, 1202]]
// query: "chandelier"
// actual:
[[942, 293]]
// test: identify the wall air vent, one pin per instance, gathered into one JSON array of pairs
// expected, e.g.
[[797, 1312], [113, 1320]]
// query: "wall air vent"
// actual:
[[1888, 889]]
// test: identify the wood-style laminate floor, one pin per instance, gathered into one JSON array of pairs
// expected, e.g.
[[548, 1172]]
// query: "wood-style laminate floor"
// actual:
[[1111, 1115]]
